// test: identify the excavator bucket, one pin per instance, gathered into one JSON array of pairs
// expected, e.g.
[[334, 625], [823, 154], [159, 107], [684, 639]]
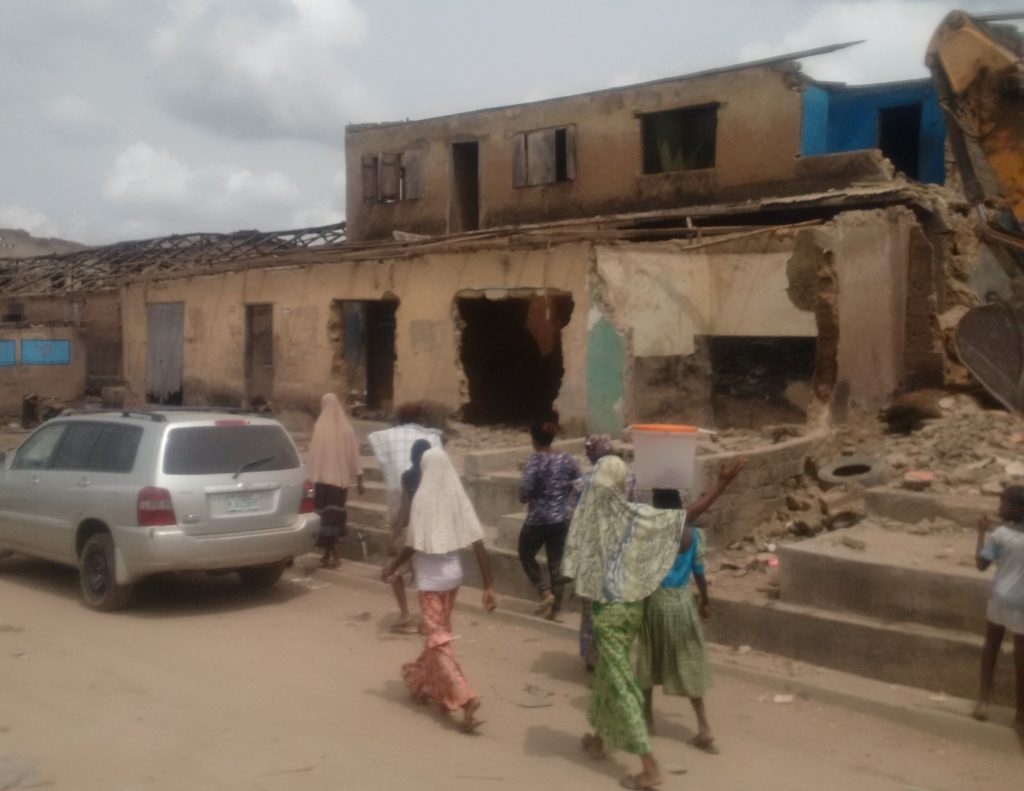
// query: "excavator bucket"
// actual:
[[990, 342]]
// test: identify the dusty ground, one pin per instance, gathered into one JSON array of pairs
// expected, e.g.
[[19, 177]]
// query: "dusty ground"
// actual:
[[204, 686]]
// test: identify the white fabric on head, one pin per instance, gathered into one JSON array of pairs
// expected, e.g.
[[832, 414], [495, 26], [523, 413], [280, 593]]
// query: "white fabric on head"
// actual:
[[442, 518], [333, 450]]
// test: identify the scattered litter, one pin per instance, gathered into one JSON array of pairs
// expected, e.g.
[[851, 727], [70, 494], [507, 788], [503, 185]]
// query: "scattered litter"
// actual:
[[534, 697], [307, 582], [854, 543], [939, 697], [783, 699], [743, 650]]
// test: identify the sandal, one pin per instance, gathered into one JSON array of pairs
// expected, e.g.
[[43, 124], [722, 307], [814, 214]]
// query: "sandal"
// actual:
[[634, 781], [707, 745], [546, 604], [404, 627]]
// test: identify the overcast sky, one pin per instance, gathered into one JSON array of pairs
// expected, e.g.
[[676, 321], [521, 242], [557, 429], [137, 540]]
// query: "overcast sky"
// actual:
[[127, 119]]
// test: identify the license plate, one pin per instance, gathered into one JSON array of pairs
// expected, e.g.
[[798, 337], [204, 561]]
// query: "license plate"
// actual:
[[243, 502]]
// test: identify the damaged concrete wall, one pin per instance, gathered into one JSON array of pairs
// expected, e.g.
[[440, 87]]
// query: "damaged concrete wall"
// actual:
[[305, 353], [50, 376], [666, 300], [757, 144], [863, 264]]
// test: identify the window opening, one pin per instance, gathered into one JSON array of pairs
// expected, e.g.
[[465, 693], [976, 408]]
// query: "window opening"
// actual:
[[681, 139]]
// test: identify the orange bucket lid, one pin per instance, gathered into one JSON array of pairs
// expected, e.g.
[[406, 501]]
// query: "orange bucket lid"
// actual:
[[665, 428]]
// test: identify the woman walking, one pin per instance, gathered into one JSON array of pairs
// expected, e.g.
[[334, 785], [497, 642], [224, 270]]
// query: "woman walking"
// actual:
[[618, 552], [334, 467], [547, 488], [671, 645], [441, 522]]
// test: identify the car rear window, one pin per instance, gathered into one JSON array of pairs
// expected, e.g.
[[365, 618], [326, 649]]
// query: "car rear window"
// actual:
[[209, 450]]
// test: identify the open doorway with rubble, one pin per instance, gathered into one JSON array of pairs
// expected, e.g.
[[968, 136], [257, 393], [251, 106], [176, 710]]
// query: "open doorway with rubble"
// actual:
[[511, 353], [363, 332], [259, 353], [757, 381]]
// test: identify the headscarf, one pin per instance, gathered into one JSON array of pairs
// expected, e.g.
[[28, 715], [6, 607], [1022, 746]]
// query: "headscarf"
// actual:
[[333, 450], [442, 518], [598, 445], [619, 551]]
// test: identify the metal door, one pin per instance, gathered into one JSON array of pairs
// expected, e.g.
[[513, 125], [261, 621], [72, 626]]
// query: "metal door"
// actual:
[[165, 341]]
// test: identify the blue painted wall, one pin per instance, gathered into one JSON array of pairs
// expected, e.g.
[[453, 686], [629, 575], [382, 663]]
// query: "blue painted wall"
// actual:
[[839, 118]]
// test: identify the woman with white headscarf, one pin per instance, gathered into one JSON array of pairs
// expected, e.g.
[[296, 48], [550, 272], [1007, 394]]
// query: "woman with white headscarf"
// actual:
[[334, 467], [441, 522]]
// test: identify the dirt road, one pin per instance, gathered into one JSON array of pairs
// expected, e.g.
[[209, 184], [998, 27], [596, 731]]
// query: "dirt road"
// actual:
[[205, 686]]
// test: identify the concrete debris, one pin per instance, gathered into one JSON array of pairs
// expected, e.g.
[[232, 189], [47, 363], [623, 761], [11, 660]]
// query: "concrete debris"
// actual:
[[918, 480], [854, 543]]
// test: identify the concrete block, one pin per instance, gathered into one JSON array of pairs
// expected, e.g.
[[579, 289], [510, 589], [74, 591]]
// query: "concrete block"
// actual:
[[913, 507]]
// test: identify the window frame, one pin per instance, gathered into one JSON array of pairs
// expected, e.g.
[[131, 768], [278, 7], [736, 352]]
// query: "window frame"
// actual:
[[534, 173], [648, 117]]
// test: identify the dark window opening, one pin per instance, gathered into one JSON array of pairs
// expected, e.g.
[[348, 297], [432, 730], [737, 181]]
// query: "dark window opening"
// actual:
[[259, 353], [679, 139], [899, 137], [365, 351], [465, 205], [544, 156], [511, 353], [758, 381]]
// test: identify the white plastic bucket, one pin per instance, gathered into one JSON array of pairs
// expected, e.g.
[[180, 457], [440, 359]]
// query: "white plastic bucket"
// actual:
[[663, 455]]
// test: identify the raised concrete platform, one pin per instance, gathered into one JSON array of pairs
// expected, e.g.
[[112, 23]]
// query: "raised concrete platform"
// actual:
[[900, 505]]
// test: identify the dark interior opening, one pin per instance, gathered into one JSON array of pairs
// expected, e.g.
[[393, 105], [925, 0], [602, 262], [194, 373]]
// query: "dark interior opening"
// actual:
[[561, 156], [679, 139], [899, 137], [259, 352], [511, 353], [755, 381], [367, 349], [465, 208]]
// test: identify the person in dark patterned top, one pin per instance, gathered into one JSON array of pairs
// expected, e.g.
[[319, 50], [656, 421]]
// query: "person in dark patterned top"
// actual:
[[547, 487]]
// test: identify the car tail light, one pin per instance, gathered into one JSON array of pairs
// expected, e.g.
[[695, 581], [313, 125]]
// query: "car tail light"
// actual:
[[306, 507], [154, 507]]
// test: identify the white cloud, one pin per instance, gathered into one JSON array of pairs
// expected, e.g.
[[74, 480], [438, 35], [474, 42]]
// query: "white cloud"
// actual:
[[152, 183], [34, 222], [262, 69], [896, 33]]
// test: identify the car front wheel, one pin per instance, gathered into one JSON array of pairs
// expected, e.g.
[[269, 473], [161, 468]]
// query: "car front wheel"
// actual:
[[259, 577], [99, 584]]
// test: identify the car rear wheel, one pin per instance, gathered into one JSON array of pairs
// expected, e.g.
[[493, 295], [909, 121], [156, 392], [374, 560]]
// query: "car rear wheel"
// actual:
[[260, 577], [96, 573]]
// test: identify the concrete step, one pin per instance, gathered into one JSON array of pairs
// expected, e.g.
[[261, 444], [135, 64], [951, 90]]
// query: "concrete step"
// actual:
[[509, 527], [896, 576], [940, 660], [899, 505], [479, 464], [494, 494]]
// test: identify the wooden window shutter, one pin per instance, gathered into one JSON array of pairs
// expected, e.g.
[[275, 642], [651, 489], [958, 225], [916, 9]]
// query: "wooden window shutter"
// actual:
[[369, 177], [412, 175], [390, 177], [570, 152], [540, 157], [519, 160]]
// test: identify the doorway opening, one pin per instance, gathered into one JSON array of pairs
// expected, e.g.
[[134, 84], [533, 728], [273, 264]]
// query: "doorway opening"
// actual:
[[364, 357], [259, 353], [899, 137], [464, 213], [511, 353], [165, 346]]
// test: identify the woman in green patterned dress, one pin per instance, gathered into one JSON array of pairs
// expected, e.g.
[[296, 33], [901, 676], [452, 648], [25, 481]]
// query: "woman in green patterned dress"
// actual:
[[618, 553], [671, 646]]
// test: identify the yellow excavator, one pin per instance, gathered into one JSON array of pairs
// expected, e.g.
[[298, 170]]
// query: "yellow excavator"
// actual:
[[977, 67]]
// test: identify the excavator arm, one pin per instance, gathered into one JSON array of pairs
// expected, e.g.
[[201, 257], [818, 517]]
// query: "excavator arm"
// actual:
[[978, 72]]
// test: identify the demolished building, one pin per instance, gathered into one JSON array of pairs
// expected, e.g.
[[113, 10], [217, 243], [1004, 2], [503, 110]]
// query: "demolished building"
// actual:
[[737, 246]]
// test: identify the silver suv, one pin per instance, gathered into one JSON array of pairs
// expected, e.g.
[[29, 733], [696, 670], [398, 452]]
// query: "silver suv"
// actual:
[[123, 495]]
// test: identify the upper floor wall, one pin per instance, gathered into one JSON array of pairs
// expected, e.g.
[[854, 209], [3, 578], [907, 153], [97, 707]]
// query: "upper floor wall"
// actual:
[[721, 136], [663, 144]]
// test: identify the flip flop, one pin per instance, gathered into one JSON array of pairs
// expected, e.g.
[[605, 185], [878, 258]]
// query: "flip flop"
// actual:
[[545, 606], [404, 628], [633, 781], [707, 746], [469, 728]]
